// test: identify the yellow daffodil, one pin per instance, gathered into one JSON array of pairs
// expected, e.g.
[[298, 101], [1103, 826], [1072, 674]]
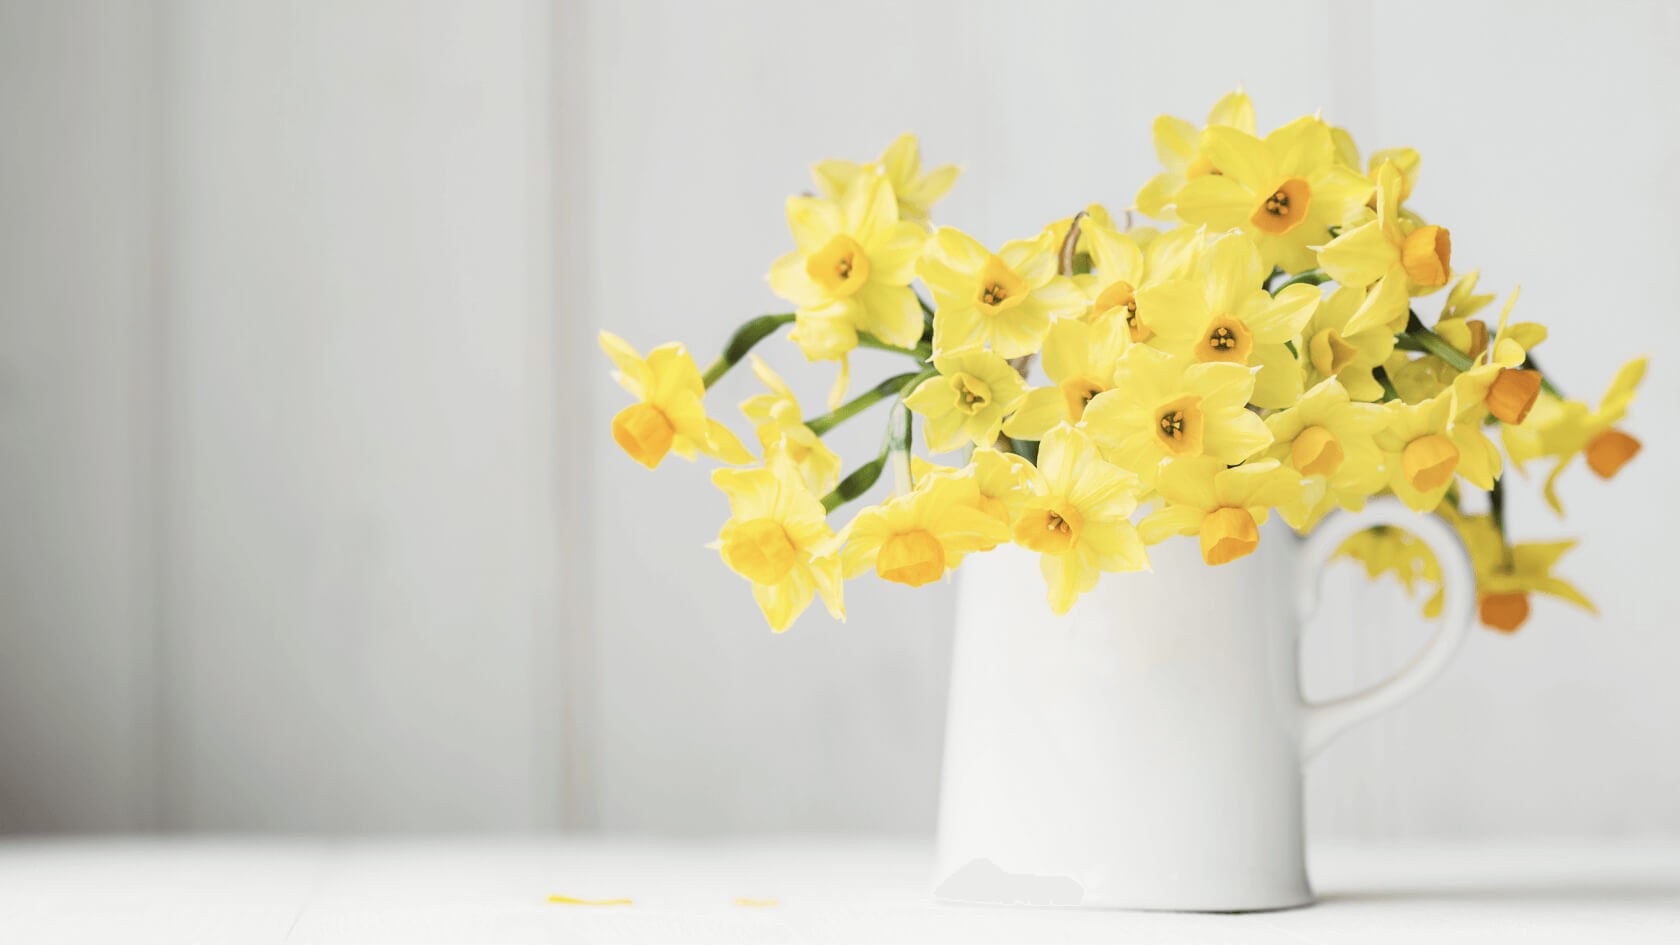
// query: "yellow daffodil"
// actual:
[[901, 165], [1118, 261], [1080, 359], [1388, 246], [917, 538], [851, 271], [1221, 315], [669, 415], [1384, 549], [968, 400], [1006, 299], [1507, 575], [1419, 451], [1078, 517], [1497, 380], [1284, 192], [1566, 428], [1178, 146], [1345, 340], [1463, 302], [1164, 406], [1002, 481], [780, 425], [1094, 215], [1225, 507], [777, 538], [1328, 439]]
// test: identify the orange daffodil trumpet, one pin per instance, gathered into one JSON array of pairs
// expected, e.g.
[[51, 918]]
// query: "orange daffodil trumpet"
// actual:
[[1100, 387]]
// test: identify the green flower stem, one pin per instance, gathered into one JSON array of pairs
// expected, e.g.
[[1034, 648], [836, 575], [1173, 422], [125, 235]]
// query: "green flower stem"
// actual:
[[1418, 338], [1310, 277], [920, 353], [1545, 382], [898, 448], [750, 333], [858, 404], [897, 440]]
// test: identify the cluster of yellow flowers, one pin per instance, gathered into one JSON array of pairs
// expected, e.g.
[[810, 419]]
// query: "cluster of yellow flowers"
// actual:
[[1261, 350]]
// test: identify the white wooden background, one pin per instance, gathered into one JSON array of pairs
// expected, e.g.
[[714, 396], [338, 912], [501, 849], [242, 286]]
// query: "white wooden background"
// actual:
[[308, 513]]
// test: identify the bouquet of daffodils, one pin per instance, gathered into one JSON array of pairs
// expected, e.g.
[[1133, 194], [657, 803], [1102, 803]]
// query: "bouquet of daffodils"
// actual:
[[1261, 350]]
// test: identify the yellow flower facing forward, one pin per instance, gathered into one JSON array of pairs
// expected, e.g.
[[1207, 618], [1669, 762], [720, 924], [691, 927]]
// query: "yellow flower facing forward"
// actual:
[[1506, 576], [1002, 481], [1164, 407], [1566, 429], [669, 416], [1222, 315], [919, 537], [968, 400], [851, 271], [1345, 339], [777, 538], [1005, 299], [1078, 517], [1284, 192], [1225, 507], [1122, 267], [1384, 549], [1419, 452], [1387, 246], [901, 165], [780, 426], [1178, 147], [1080, 359], [1329, 439]]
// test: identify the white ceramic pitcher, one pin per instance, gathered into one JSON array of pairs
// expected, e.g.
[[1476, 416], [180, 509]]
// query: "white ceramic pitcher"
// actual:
[[1145, 750]]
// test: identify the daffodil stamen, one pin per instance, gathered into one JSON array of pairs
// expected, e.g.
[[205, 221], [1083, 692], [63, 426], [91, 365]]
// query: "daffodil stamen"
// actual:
[[1077, 393], [1226, 339], [1284, 207], [1179, 426], [841, 267], [1049, 526], [973, 394]]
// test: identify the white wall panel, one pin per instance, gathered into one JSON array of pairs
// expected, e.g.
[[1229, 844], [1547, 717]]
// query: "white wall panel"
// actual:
[[76, 461], [363, 489]]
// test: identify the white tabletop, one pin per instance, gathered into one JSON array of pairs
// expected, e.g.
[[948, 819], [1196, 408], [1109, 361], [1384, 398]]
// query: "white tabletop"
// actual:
[[233, 891]]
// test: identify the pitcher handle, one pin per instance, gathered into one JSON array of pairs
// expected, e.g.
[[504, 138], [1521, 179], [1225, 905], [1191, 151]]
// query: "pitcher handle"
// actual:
[[1323, 721]]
